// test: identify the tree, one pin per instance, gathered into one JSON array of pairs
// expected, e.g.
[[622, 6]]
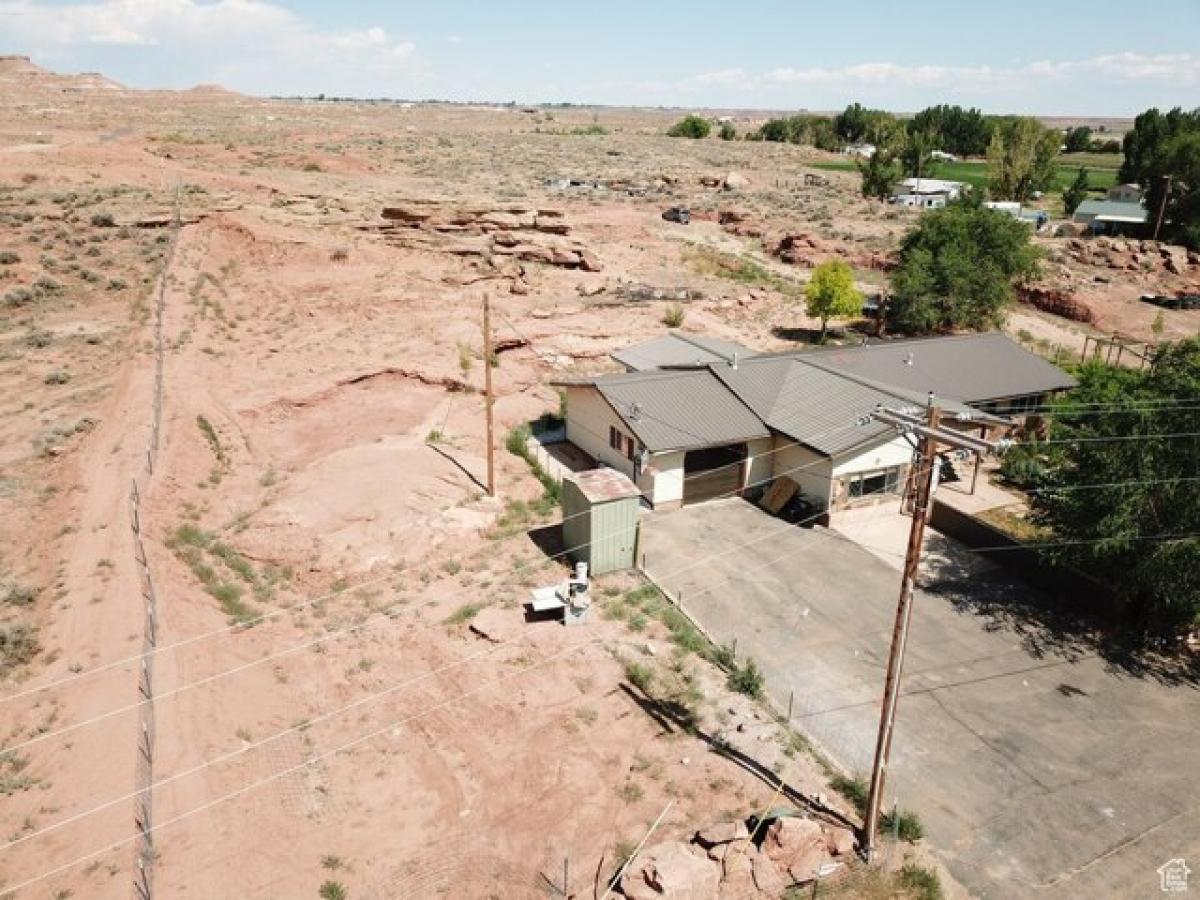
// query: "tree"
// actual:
[[857, 123], [1182, 163], [1078, 139], [958, 267], [1077, 192], [1121, 533], [917, 156], [691, 126], [1021, 158], [831, 293], [964, 132], [728, 132], [879, 174]]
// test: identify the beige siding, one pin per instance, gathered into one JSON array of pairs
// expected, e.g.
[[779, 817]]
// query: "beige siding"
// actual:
[[893, 452], [588, 419], [662, 482], [762, 462], [807, 468]]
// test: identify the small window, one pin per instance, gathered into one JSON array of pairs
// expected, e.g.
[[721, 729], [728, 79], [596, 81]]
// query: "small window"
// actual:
[[614, 438], [628, 447], [884, 481]]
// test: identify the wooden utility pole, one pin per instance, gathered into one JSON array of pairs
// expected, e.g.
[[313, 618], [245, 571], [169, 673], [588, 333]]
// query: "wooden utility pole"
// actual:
[[489, 397], [931, 434], [1162, 207]]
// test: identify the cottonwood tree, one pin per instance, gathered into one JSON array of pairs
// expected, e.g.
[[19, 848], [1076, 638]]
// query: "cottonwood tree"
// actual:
[[1161, 145], [958, 269], [1021, 158], [880, 172], [1077, 192], [1133, 433], [831, 294]]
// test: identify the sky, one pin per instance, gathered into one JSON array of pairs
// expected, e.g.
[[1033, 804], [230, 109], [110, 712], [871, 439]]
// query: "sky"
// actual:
[[1051, 57]]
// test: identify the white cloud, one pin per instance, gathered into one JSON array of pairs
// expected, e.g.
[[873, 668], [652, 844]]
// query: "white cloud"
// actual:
[[260, 45], [889, 79]]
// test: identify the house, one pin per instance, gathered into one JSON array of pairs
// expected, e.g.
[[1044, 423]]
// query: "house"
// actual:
[[1126, 193], [1035, 218], [1111, 216], [926, 193], [863, 151], [676, 349], [942, 156], [685, 435]]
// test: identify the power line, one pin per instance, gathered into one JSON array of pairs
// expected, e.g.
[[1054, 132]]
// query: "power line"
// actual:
[[298, 767]]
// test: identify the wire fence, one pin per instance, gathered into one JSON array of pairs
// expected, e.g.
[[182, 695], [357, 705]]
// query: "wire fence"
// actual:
[[143, 804]]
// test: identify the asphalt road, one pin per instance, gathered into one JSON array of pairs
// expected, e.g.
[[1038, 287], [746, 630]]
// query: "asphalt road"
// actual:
[[1039, 767]]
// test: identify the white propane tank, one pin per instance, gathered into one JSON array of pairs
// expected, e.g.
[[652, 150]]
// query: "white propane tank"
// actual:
[[581, 572]]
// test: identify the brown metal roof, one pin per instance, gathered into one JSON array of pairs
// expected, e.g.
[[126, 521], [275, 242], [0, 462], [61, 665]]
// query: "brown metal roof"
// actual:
[[972, 368], [677, 349], [601, 485], [679, 409]]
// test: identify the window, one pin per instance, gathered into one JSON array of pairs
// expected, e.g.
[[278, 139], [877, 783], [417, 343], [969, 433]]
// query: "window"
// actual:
[[614, 438], [883, 481], [628, 447]]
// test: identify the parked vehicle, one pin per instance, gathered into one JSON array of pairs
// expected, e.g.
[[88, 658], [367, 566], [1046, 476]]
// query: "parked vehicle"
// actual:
[[680, 214]]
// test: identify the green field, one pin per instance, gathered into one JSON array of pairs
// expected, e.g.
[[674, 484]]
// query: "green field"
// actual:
[[974, 172]]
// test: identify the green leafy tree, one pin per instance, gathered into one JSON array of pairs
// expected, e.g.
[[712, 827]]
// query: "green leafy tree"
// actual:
[[963, 132], [880, 172], [1182, 163], [958, 268], [1123, 533], [1077, 192], [858, 123], [1021, 158], [917, 156], [691, 126], [1078, 139], [728, 131], [831, 293]]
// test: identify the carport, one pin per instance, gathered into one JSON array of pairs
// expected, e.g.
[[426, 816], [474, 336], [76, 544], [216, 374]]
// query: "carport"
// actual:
[[711, 472], [1037, 767]]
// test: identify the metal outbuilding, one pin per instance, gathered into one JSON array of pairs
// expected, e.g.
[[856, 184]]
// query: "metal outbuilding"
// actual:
[[600, 519]]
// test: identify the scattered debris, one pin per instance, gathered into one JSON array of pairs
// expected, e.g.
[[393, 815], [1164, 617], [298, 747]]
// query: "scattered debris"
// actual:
[[680, 214]]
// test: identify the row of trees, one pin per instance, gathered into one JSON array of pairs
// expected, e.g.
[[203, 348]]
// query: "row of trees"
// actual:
[[1165, 146]]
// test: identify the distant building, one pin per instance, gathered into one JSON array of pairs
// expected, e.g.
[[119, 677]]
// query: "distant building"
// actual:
[[1035, 218], [866, 151], [942, 156], [1111, 216], [1126, 193], [926, 193]]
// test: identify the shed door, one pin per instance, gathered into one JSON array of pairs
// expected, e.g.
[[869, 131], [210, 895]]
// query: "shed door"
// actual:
[[713, 472]]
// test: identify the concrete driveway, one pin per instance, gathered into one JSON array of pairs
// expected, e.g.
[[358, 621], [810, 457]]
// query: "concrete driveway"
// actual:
[[1039, 768]]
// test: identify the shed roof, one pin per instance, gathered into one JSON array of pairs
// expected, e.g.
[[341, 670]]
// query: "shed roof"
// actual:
[[602, 485], [1112, 210], [678, 409], [972, 368], [677, 349]]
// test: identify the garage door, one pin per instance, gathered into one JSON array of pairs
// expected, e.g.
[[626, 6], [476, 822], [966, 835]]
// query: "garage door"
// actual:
[[712, 472]]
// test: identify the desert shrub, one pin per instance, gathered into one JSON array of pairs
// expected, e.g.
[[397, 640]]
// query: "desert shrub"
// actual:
[[674, 315], [904, 823], [117, 284], [8, 257], [18, 296], [18, 645], [683, 632], [855, 791], [312, 167], [691, 126], [339, 255], [728, 132], [18, 594], [464, 613], [746, 679], [640, 676], [58, 376], [38, 338], [102, 220], [923, 884], [332, 890]]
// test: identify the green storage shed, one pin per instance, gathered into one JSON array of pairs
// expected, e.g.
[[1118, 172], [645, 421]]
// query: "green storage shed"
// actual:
[[600, 519]]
